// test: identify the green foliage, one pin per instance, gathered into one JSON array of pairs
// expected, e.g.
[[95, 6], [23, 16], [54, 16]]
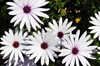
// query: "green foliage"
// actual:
[[70, 9]]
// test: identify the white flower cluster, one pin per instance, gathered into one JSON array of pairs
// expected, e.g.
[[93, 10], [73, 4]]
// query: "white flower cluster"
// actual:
[[22, 49]]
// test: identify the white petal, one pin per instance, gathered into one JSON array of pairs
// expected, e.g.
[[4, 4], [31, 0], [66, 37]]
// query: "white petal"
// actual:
[[25, 34], [16, 55], [97, 16], [86, 38], [65, 50], [66, 44], [48, 35], [7, 39], [32, 2], [86, 44], [11, 34], [43, 35], [35, 17], [60, 23], [37, 37], [28, 23], [11, 3], [18, 20], [5, 42], [15, 7], [82, 38], [15, 12], [99, 48], [33, 42], [77, 37], [53, 27], [43, 58], [87, 55], [20, 55], [7, 53], [6, 50], [77, 61], [95, 27], [33, 49], [50, 55], [16, 34], [22, 22], [83, 60], [95, 21], [70, 30], [41, 14], [64, 24], [99, 37], [93, 31], [68, 25], [73, 61], [55, 24], [72, 39], [4, 47], [47, 59], [54, 48], [39, 34], [68, 40], [18, 3], [89, 48], [25, 2], [67, 59], [12, 55], [42, 9], [38, 56], [33, 22], [63, 54], [53, 53], [15, 18], [34, 54], [97, 34], [39, 4]]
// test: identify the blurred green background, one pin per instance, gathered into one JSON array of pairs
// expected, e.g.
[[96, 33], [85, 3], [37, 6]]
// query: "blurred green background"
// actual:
[[78, 11]]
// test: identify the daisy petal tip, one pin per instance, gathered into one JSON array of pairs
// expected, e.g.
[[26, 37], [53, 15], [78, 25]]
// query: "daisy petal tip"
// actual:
[[47, 17], [63, 62], [99, 48], [98, 52], [59, 55], [53, 60]]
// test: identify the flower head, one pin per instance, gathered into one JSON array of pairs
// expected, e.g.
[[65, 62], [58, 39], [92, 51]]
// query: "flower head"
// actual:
[[43, 46], [13, 45], [26, 11], [96, 27], [26, 62], [77, 49], [62, 29]]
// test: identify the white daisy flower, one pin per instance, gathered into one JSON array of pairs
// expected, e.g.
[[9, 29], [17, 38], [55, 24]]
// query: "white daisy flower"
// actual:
[[62, 29], [96, 27], [13, 45], [43, 46], [26, 62], [26, 11], [77, 49], [99, 51]]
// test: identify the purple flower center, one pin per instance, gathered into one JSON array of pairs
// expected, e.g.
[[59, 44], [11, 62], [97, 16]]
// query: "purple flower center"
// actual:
[[44, 45], [75, 50], [26, 9], [15, 44], [60, 34]]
